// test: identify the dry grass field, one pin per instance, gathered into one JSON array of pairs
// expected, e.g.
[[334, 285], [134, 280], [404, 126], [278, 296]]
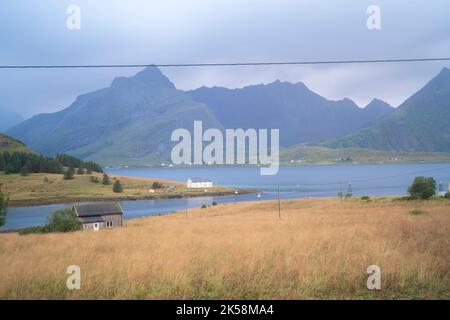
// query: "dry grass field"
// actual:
[[318, 249], [40, 188]]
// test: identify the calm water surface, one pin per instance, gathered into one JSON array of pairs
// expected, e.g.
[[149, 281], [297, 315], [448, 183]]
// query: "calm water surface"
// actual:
[[295, 182]]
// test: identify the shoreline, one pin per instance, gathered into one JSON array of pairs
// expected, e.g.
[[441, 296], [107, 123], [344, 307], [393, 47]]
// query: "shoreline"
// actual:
[[59, 200]]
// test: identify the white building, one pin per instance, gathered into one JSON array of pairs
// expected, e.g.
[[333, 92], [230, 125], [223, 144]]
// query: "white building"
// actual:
[[199, 183]]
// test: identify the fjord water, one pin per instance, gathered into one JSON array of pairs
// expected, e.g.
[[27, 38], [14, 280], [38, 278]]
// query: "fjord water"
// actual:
[[294, 181]]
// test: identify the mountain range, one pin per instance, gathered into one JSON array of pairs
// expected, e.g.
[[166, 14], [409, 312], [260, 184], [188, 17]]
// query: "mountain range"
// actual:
[[300, 114], [421, 123], [131, 121]]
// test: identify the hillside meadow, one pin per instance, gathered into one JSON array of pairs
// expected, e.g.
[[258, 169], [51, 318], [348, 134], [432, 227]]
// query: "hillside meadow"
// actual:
[[319, 249], [45, 188]]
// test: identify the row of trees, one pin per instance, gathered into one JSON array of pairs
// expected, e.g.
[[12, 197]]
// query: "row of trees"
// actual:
[[24, 163], [117, 186], [70, 161]]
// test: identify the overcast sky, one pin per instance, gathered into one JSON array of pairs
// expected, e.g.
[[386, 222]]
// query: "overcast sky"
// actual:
[[194, 31]]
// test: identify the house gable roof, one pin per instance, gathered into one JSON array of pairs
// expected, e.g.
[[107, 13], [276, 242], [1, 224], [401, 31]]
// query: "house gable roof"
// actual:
[[97, 209], [196, 180], [92, 219]]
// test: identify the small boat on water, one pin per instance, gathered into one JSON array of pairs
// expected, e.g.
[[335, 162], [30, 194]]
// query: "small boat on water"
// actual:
[[259, 195]]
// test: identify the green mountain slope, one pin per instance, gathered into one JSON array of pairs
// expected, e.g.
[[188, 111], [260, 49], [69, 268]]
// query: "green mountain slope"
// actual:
[[8, 144], [128, 123], [421, 123]]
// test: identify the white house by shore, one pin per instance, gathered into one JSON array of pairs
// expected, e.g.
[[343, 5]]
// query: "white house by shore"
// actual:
[[197, 183]]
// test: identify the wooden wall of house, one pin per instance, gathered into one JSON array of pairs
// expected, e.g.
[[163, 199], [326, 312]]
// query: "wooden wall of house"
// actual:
[[90, 225], [115, 218]]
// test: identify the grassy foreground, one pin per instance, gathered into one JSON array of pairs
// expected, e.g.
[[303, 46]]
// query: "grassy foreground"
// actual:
[[43, 188], [318, 249]]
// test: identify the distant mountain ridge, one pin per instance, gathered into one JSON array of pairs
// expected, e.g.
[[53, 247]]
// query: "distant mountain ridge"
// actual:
[[131, 121], [299, 113], [421, 123]]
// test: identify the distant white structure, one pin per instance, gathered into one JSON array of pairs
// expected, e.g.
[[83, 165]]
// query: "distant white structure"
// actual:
[[441, 191], [197, 183]]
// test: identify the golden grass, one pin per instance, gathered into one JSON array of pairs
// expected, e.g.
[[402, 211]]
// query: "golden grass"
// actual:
[[319, 249], [52, 188]]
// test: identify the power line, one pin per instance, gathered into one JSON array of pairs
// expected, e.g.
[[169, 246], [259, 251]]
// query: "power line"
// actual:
[[230, 64]]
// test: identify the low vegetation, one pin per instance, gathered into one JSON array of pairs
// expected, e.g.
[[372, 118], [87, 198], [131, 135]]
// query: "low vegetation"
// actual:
[[320, 248], [63, 220], [422, 188], [117, 187], [43, 188], [157, 185], [416, 212]]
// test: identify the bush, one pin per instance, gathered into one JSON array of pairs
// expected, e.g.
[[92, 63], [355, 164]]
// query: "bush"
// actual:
[[447, 195], [365, 198], [24, 171], [31, 230], [80, 171], [117, 187], [68, 175], [94, 179], [348, 196], [63, 220], [106, 180], [422, 188], [416, 212], [157, 185], [204, 206]]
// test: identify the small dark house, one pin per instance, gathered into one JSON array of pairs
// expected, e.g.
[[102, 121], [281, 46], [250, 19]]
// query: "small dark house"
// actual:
[[98, 216]]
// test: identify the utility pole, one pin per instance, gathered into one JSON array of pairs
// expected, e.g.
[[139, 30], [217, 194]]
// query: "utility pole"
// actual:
[[279, 203]]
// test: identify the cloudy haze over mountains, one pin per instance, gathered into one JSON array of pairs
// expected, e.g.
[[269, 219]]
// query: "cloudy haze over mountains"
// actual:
[[175, 31], [131, 121]]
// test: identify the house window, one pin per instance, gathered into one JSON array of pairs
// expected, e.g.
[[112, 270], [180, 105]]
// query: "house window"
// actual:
[[109, 224]]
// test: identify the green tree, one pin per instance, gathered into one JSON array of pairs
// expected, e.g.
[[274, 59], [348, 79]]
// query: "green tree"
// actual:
[[157, 185], [3, 206], [422, 188], [106, 180], [63, 220], [24, 171], [68, 175], [2, 162], [117, 187]]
